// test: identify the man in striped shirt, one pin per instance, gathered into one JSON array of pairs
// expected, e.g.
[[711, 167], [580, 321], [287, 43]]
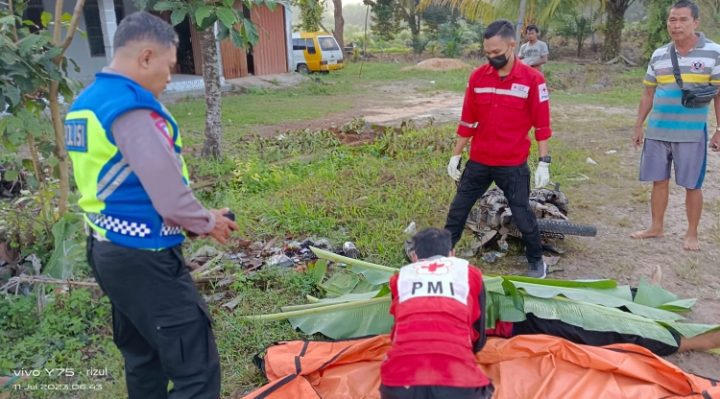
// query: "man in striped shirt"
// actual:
[[676, 134]]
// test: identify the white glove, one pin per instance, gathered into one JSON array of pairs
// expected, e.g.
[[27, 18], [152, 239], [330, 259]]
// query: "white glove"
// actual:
[[542, 174], [452, 167]]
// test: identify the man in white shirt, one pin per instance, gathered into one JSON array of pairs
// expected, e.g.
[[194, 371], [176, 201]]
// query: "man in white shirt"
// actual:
[[534, 52]]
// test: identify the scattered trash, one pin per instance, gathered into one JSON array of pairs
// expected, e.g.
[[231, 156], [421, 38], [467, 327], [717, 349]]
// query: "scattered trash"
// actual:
[[202, 256], [214, 297], [350, 250], [466, 253], [581, 177], [590, 161], [36, 264], [323, 243], [226, 281], [492, 257], [280, 260], [609, 152], [503, 245], [551, 260], [233, 303]]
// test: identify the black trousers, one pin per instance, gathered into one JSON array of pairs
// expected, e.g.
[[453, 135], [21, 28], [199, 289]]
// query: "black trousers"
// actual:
[[514, 181], [436, 392], [161, 325], [579, 335]]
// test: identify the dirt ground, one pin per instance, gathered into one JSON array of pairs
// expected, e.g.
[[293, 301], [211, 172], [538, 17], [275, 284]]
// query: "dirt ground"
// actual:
[[393, 105], [618, 204], [609, 196]]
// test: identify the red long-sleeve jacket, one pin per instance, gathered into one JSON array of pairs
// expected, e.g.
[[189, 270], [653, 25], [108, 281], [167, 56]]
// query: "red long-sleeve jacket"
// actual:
[[499, 113]]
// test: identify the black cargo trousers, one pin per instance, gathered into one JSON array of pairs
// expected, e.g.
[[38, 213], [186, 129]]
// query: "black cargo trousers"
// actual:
[[161, 325], [514, 181]]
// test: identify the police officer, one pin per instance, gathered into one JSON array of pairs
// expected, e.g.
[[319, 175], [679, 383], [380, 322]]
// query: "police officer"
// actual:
[[504, 99], [126, 153]]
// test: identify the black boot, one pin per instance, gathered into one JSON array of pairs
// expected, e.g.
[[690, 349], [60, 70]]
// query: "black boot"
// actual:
[[537, 269]]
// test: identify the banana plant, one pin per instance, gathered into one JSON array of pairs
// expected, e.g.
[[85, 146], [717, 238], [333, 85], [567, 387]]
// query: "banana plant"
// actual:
[[358, 302]]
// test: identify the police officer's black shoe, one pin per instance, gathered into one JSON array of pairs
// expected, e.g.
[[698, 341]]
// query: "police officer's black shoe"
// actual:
[[537, 269]]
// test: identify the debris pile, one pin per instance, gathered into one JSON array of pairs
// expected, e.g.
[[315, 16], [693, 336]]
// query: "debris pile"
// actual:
[[492, 214], [491, 221], [209, 265], [439, 65]]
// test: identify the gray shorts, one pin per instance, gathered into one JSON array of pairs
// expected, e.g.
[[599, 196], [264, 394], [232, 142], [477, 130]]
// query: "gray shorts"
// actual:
[[689, 160]]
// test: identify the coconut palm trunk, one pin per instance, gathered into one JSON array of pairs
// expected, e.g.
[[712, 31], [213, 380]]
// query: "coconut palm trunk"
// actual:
[[213, 94], [339, 23], [615, 12]]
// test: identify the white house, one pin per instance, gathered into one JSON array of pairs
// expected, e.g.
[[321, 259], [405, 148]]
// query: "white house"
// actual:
[[100, 18]]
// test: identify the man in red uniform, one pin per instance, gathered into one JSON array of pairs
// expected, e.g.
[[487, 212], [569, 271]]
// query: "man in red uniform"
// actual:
[[438, 304], [503, 101]]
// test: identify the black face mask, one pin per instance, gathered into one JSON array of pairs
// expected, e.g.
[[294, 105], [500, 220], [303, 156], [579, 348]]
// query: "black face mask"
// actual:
[[499, 61]]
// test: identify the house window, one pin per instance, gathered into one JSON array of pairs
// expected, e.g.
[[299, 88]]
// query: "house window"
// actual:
[[119, 10], [93, 27], [33, 13]]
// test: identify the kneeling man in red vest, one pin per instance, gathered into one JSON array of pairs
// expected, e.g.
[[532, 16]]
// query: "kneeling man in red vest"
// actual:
[[438, 303]]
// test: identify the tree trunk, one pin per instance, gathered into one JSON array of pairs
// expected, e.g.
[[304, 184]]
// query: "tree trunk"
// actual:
[[580, 41], [57, 122], [519, 25], [414, 23], [59, 149], [339, 24], [213, 95], [615, 11], [35, 157]]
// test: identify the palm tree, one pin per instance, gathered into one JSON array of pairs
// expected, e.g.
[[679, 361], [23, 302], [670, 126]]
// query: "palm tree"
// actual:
[[541, 12], [614, 24]]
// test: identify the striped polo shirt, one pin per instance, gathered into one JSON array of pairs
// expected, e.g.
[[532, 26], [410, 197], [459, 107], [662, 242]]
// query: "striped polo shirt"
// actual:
[[669, 120]]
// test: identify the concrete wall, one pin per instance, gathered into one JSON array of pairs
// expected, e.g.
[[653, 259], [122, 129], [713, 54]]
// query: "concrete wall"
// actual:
[[79, 49]]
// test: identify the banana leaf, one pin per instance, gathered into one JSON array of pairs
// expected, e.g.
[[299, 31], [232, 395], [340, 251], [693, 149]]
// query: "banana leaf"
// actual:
[[597, 318], [691, 329], [505, 309], [599, 284], [652, 295], [352, 297], [374, 274], [681, 305], [345, 282], [494, 284], [657, 297], [598, 297], [360, 306], [370, 317]]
